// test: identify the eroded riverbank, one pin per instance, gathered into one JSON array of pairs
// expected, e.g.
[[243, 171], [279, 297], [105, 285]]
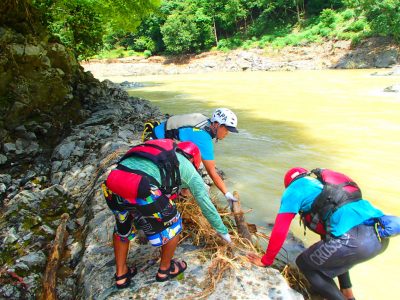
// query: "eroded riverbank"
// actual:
[[371, 53]]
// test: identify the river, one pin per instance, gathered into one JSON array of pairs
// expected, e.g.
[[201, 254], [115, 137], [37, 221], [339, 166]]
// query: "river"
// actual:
[[337, 119]]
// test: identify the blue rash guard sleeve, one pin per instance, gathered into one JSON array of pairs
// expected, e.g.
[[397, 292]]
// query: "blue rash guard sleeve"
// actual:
[[300, 195], [201, 138], [159, 131]]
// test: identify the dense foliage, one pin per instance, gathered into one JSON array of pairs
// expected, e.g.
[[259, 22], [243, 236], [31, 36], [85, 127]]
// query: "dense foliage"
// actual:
[[82, 24], [190, 26]]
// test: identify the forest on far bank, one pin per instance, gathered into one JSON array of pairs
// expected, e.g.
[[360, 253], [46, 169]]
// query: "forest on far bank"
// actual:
[[110, 28]]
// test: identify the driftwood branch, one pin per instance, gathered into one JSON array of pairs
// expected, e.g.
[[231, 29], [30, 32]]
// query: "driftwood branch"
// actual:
[[239, 218], [53, 261]]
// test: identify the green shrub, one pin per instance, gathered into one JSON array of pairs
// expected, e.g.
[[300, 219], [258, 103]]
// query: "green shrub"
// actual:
[[230, 43], [348, 14], [143, 43], [357, 26], [147, 53], [328, 17]]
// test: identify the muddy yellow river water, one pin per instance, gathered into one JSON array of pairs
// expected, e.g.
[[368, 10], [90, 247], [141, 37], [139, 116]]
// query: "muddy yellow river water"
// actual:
[[338, 119]]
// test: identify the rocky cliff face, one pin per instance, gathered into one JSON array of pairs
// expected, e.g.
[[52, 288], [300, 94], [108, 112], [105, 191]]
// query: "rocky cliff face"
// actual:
[[38, 76], [35, 195]]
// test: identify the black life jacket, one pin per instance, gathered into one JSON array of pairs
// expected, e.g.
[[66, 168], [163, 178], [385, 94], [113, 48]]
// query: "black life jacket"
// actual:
[[162, 153], [174, 123], [123, 184], [338, 190]]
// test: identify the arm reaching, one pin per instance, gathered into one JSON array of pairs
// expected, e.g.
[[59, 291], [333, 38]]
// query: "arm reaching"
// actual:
[[197, 187], [278, 236], [212, 172]]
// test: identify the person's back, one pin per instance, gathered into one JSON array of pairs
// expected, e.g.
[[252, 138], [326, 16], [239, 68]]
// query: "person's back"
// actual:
[[301, 194], [189, 178], [140, 192], [331, 205]]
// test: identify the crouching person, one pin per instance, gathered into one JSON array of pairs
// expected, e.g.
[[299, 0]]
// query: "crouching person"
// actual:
[[140, 192], [352, 230]]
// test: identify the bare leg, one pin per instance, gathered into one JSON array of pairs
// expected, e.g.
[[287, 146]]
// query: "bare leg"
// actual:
[[167, 252], [345, 285], [348, 293], [121, 252]]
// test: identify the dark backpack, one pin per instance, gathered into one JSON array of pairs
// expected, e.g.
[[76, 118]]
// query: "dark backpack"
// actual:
[[338, 190], [161, 152]]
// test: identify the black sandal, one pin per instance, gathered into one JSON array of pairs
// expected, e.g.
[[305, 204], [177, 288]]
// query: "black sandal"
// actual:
[[165, 272], [174, 264], [177, 264], [128, 276]]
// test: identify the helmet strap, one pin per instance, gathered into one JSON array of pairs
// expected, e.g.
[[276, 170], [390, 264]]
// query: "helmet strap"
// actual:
[[212, 130]]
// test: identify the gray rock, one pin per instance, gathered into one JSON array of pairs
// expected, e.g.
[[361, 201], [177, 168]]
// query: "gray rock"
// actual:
[[46, 229], [3, 159], [33, 259], [32, 50], [5, 178], [64, 151], [33, 148], [386, 58], [78, 152], [11, 236], [21, 267], [27, 236], [3, 188], [57, 177], [9, 290], [75, 249], [9, 147], [393, 89], [81, 221], [55, 166]]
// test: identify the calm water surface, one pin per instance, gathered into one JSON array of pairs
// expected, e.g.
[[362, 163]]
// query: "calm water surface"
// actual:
[[336, 119]]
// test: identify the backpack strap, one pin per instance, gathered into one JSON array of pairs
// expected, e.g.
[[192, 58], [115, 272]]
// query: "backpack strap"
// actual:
[[167, 163]]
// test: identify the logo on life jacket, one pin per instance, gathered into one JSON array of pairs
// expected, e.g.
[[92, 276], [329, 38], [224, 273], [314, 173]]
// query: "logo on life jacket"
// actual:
[[338, 190]]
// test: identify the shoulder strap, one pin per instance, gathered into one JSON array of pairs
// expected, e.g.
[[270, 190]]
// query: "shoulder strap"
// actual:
[[164, 157]]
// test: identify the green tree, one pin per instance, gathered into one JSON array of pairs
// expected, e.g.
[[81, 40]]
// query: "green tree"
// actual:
[[82, 24], [383, 15], [187, 29]]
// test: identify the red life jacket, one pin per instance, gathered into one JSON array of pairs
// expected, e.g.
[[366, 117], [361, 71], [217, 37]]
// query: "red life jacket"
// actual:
[[338, 190], [161, 152]]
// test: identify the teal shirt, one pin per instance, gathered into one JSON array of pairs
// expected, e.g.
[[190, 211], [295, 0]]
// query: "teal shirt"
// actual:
[[199, 137], [190, 179], [300, 195]]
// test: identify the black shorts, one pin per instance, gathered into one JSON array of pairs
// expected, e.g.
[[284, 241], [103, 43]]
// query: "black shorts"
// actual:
[[339, 254]]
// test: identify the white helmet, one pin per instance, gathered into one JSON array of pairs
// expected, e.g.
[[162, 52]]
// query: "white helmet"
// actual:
[[226, 117]]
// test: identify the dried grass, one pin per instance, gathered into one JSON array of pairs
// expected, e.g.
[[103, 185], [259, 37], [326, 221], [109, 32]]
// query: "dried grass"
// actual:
[[225, 259]]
